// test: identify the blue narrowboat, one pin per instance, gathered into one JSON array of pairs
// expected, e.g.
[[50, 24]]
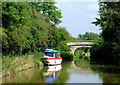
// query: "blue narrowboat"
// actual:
[[51, 57]]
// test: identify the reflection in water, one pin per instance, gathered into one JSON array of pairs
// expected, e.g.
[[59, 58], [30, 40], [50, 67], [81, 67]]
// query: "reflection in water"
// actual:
[[33, 75], [84, 78], [51, 73], [108, 73], [81, 73], [69, 72]]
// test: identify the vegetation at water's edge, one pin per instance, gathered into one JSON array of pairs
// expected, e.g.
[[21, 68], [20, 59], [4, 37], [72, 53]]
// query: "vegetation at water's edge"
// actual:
[[108, 50], [66, 56], [11, 65]]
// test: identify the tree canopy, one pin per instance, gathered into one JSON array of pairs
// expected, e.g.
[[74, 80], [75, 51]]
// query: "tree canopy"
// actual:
[[89, 36], [109, 22], [26, 31], [49, 10]]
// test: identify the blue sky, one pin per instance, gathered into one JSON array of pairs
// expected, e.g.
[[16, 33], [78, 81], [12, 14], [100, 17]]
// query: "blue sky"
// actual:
[[78, 15]]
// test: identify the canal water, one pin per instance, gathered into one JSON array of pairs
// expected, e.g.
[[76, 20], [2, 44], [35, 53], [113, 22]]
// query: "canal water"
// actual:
[[68, 72]]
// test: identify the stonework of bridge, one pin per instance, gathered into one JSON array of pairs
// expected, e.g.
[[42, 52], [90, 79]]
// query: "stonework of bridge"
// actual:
[[74, 45]]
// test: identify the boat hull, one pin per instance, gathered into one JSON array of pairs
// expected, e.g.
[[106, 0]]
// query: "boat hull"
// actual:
[[51, 61]]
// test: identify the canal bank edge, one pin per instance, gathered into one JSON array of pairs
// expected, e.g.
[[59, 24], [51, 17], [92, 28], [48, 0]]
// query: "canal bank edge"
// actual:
[[19, 64]]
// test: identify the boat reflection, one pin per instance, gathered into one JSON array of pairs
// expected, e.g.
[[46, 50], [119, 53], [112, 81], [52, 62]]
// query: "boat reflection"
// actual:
[[51, 73]]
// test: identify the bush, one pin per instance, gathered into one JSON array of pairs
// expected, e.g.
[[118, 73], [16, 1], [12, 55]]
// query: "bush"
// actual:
[[105, 53], [66, 56], [38, 55]]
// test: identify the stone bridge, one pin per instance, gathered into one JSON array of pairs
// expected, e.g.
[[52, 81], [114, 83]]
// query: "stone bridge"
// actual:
[[74, 45]]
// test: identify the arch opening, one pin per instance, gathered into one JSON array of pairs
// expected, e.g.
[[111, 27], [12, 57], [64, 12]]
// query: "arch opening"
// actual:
[[82, 49], [82, 52]]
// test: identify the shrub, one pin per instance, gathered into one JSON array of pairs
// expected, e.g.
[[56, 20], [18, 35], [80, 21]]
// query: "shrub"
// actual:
[[66, 56], [106, 53], [38, 55]]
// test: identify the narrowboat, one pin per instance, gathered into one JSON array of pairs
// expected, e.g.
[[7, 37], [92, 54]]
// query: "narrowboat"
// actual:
[[51, 57]]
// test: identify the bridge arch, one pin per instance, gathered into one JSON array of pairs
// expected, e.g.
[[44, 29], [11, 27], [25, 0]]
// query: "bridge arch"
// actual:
[[74, 48], [83, 48], [74, 45]]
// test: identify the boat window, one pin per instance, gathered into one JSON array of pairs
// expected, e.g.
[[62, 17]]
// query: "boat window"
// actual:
[[53, 54], [56, 55], [48, 54]]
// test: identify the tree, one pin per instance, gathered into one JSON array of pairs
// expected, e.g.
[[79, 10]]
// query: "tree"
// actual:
[[65, 32], [26, 31], [14, 19], [49, 10], [22, 33], [109, 21], [89, 36]]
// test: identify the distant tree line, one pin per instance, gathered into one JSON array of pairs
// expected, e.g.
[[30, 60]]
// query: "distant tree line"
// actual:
[[89, 36]]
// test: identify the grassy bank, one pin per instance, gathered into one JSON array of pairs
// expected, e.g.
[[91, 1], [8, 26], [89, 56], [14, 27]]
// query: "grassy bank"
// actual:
[[14, 64]]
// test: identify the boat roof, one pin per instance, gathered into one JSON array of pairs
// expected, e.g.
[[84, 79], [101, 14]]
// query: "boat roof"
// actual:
[[50, 50]]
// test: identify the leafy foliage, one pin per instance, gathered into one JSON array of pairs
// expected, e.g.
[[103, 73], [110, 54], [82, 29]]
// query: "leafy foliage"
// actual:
[[66, 56], [109, 21], [82, 54], [25, 31], [108, 50], [89, 36], [49, 10]]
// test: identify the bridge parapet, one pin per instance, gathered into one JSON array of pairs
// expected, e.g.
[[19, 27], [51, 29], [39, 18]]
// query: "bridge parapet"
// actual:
[[82, 41], [78, 44]]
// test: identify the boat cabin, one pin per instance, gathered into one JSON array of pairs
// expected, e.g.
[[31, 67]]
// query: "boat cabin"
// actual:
[[51, 53]]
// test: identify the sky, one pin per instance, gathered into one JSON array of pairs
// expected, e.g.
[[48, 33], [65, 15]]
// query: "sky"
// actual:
[[78, 16]]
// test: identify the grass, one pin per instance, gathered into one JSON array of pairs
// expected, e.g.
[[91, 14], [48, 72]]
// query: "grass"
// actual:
[[17, 63]]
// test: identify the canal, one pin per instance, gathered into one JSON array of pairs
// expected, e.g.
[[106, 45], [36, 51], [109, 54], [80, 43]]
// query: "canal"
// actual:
[[68, 72]]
